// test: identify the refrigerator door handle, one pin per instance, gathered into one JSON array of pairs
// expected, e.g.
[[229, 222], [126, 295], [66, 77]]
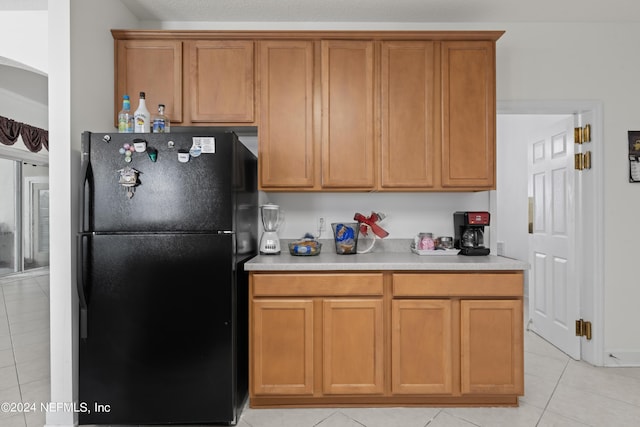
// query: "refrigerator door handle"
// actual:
[[80, 270], [87, 182]]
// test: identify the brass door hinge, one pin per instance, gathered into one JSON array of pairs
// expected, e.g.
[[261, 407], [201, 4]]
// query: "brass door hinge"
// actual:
[[583, 329], [583, 160], [581, 135]]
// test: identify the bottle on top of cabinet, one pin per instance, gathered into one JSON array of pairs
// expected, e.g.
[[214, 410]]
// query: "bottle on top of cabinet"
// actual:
[[142, 117], [125, 116], [161, 123]]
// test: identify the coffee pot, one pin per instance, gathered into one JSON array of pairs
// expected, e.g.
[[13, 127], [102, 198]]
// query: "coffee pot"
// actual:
[[469, 232], [472, 238]]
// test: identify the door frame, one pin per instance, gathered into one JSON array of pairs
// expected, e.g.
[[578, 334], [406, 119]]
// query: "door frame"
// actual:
[[591, 231]]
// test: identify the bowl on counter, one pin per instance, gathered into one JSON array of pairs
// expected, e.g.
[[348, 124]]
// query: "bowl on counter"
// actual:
[[305, 247]]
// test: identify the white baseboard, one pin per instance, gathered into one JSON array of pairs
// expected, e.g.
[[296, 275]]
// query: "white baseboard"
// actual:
[[622, 358]]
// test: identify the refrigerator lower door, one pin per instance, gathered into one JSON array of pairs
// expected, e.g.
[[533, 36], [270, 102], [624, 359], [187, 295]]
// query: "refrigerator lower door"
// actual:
[[160, 329]]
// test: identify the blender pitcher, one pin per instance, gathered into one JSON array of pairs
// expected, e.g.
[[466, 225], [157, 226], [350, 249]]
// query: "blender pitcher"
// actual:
[[272, 218]]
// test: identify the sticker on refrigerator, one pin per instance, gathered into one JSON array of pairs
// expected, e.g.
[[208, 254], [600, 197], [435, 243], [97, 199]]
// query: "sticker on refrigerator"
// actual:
[[196, 148], [207, 144]]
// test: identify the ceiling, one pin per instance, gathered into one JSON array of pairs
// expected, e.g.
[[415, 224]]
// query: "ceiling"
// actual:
[[411, 11]]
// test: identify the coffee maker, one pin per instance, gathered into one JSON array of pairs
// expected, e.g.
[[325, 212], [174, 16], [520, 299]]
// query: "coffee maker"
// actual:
[[469, 232]]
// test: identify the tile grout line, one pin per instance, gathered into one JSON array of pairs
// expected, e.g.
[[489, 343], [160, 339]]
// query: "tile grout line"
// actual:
[[13, 350], [544, 410]]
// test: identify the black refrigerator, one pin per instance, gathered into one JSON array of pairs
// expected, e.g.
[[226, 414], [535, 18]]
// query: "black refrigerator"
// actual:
[[167, 223]]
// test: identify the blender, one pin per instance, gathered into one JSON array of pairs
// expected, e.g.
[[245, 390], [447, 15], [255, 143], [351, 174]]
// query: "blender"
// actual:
[[271, 220]]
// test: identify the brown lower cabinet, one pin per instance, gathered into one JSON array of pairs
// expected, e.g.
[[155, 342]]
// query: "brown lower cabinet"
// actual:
[[386, 338]]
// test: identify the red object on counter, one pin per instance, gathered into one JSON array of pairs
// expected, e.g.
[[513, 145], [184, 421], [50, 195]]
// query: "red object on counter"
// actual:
[[371, 222]]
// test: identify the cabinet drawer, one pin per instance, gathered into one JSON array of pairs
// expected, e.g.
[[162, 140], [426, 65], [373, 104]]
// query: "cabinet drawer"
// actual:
[[316, 284], [508, 284]]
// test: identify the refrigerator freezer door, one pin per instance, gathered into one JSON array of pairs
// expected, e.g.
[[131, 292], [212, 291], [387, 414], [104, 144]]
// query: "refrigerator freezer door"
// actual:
[[168, 195], [161, 327]]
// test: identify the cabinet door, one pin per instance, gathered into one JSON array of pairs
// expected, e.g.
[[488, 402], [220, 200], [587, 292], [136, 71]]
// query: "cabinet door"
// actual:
[[353, 346], [468, 115], [492, 347], [282, 341], [407, 97], [286, 157], [421, 351], [221, 79], [348, 156], [153, 67]]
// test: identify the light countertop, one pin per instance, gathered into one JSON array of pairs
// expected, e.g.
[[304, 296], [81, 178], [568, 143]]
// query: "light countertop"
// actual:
[[388, 260]]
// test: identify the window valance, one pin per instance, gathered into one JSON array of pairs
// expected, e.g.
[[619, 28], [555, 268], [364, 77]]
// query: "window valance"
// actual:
[[34, 138]]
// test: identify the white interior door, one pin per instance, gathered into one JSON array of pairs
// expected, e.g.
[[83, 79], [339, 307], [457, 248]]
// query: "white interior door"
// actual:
[[36, 222], [554, 302]]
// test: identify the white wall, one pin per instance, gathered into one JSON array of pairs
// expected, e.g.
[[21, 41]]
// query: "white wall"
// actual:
[[22, 42], [407, 214], [25, 45], [80, 98], [22, 109]]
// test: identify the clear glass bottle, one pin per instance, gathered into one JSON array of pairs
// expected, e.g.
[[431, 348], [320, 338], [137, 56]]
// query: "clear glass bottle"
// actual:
[[142, 117], [161, 123], [125, 117]]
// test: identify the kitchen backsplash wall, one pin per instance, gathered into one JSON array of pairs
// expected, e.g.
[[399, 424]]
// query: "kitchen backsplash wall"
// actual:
[[406, 213]]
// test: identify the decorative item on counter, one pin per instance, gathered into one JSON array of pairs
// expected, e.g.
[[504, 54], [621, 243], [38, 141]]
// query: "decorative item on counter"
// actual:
[[106, 138], [371, 222], [366, 224], [424, 242], [307, 246], [444, 242], [346, 237], [129, 180]]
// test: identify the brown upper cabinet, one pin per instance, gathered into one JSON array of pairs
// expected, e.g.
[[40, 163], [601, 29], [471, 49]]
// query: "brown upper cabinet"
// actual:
[[153, 67], [287, 141], [407, 115], [221, 81], [201, 82], [468, 99], [348, 134], [335, 110]]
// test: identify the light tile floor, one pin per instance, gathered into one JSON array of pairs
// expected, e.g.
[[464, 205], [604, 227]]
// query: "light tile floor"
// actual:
[[559, 391], [24, 348]]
